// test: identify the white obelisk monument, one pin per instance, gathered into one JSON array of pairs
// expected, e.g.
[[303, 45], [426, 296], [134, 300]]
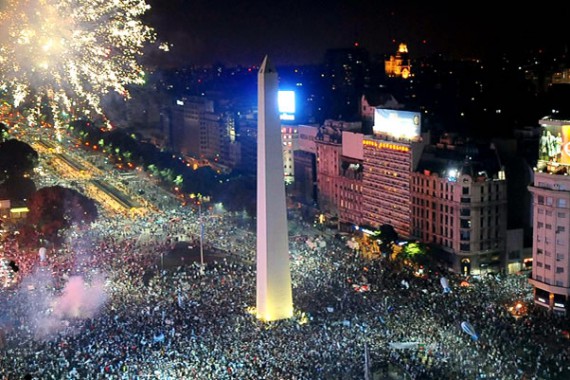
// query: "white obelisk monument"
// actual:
[[274, 295]]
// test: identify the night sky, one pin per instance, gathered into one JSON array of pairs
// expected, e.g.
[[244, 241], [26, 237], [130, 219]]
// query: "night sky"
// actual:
[[299, 32]]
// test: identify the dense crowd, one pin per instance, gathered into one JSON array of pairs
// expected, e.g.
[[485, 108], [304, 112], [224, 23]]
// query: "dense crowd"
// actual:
[[179, 322]]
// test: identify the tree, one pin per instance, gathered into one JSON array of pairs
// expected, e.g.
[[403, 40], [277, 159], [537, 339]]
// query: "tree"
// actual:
[[55, 208], [19, 188], [239, 194], [388, 236], [416, 252], [3, 132], [17, 159]]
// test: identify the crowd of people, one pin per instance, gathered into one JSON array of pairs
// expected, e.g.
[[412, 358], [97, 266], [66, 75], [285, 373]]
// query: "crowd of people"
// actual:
[[104, 306], [184, 323]]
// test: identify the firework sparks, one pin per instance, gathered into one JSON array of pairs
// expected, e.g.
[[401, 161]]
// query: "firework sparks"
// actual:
[[71, 52]]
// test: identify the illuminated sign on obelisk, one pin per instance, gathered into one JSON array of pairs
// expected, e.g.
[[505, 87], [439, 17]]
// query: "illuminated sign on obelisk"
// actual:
[[274, 295]]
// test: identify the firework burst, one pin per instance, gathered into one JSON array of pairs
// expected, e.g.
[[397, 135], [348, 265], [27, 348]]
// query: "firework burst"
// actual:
[[71, 52]]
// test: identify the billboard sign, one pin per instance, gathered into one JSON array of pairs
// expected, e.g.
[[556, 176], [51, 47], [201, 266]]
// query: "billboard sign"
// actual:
[[286, 102], [396, 123], [554, 147]]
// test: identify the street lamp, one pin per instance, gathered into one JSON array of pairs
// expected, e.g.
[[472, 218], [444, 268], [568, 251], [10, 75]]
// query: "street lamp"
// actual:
[[201, 237]]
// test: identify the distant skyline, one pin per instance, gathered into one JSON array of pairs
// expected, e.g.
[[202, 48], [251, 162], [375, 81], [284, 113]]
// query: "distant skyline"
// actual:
[[299, 32]]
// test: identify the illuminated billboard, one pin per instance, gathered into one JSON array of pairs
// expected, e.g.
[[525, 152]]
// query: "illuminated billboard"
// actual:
[[399, 124], [554, 148], [286, 102]]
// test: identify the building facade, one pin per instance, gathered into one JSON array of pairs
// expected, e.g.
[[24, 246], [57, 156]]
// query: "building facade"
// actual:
[[305, 163], [289, 137], [464, 215], [459, 203], [551, 217], [399, 65], [551, 249], [333, 181]]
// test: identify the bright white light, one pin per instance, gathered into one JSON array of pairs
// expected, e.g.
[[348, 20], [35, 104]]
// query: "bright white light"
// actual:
[[286, 101]]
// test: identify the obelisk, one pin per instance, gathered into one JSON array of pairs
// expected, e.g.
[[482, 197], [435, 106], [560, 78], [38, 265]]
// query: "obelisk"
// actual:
[[274, 295]]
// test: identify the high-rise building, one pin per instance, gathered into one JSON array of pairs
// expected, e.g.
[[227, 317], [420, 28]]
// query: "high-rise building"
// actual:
[[390, 155], [289, 136], [246, 138], [200, 128], [274, 294], [551, 217], [187, 115]]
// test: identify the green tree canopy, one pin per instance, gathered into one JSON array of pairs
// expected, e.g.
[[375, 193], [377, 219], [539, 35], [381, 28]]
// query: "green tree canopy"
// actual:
[[54, 208], [416, 252]]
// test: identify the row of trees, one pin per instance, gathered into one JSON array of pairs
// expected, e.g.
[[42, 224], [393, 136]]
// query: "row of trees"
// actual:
[[385, 241], [236, 191]]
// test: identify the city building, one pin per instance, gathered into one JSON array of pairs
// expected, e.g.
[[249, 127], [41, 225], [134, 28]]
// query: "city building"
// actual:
[[459, 203], [561, 77], [197, 129], [399, 65], [346, 73], [305, 163], [289, 137], [246, 139], [551, 217], [186, 120], [332, 182], [351, 183], [389, 157]]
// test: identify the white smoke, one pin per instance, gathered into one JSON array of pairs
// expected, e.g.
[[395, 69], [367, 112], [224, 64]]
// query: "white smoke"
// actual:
[[80, 299], [47, 309]]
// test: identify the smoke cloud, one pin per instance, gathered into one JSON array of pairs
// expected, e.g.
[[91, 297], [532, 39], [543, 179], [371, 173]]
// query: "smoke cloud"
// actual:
[[46, 306]]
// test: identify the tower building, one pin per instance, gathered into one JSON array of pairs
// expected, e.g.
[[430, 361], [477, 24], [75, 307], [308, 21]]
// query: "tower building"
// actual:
[[274, 294]]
